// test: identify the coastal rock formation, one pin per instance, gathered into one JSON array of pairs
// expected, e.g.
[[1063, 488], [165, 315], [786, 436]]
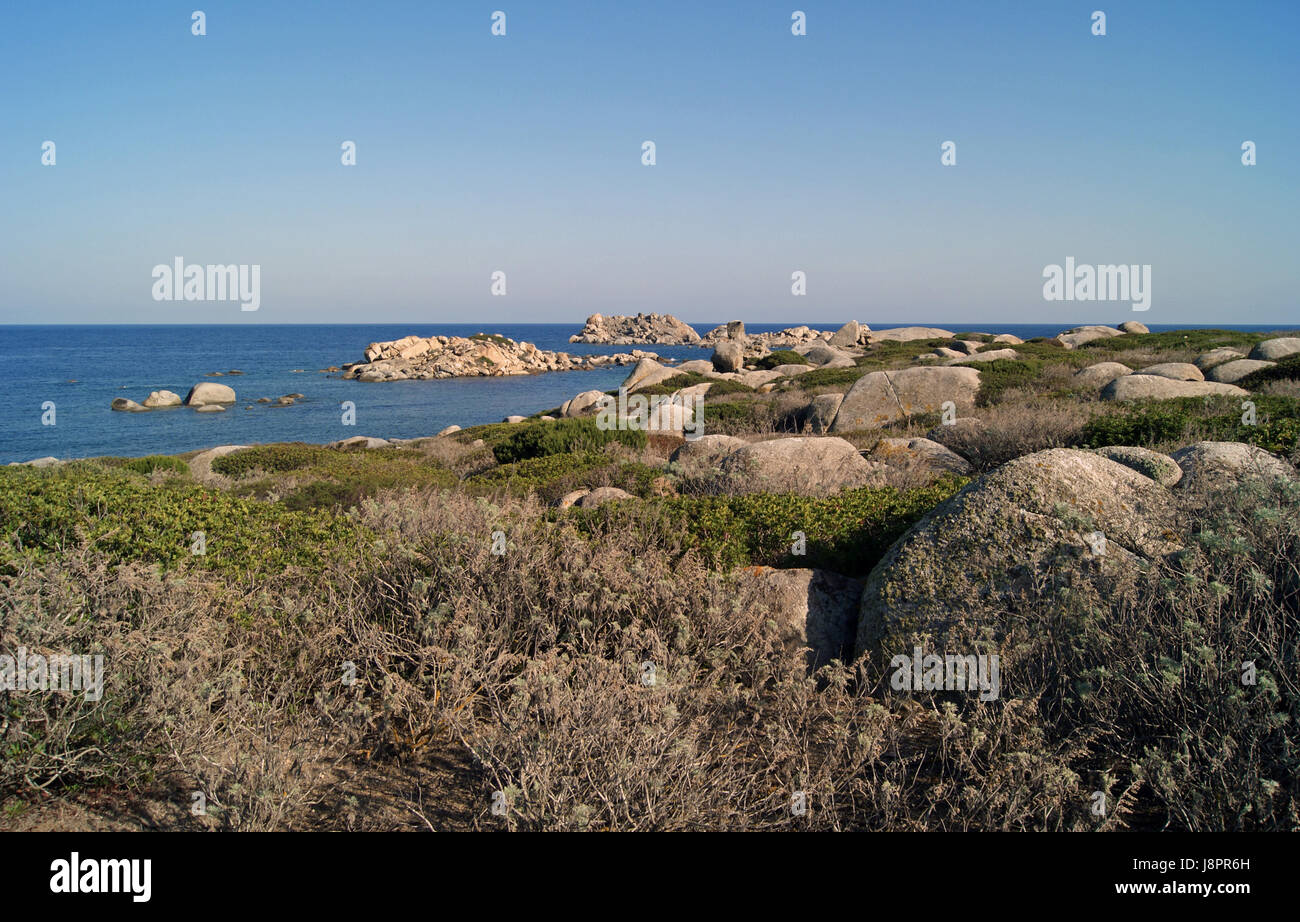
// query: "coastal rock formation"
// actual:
[[1214, 357], [1138, 387], [1213, 466], [881, 397], [817, 417], [907, 334], [1231, 372], [480, 355], [993, 355], [207, 393], [1132, 326], [1073, 339], [945, 574], [1176, 371], [1273, 349], [922, 453], [125, 405], [1099, 375], [648, 373], [816, 611], [728, 356], [811, 464], [846, 336], [760, 343], [706, 450], [157, 399], [1163, 469], [663, 329]]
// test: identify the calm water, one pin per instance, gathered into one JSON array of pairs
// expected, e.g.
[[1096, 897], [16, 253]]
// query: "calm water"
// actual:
[[83, 368]]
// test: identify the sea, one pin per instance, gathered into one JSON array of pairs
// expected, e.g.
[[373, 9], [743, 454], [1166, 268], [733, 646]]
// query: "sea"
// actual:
[[62, 380]]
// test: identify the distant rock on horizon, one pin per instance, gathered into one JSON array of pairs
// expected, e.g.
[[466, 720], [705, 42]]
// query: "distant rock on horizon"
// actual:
[[660, 329]]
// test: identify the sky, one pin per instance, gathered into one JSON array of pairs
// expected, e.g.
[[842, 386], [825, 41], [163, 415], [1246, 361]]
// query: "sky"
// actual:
[[775, 153]]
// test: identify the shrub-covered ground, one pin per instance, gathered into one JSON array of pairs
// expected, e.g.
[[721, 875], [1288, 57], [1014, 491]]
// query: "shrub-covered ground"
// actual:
[[377, 639]]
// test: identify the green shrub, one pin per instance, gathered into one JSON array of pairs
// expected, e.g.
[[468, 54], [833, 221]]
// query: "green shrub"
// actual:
[[690, 379], [1002, 374], [781, 357], [1156, 423], [562, 436], [121, 514], [847, 533], [830, 377], [272, 459], [151, 463], [1197, 340]]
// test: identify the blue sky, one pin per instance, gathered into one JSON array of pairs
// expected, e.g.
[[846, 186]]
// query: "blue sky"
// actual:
[[774, 153]]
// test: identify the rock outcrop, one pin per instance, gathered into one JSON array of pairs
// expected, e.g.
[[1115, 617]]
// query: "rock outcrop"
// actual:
[[481, 355], [815, 465], [1020, 530], [207, 393], [662, 329], [1139, 387], [881, 397]]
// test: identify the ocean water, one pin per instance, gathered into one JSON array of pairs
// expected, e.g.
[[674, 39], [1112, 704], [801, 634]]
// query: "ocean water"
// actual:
[[81, 369]]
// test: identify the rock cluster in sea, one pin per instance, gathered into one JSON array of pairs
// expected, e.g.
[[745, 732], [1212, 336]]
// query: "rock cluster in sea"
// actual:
[[663, 329], [481, 355]]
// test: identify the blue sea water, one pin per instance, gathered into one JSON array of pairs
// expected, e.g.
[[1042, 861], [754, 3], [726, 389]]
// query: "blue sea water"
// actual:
[[81, 369]]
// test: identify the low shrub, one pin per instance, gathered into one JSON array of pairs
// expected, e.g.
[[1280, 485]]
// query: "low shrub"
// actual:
[[781, 357], [562, 436]]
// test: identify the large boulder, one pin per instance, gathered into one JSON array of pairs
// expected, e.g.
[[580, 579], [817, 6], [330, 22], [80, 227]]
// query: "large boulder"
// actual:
[[208, 393], [582, 404], [1073, 339], [601, 495], [1215, 466], [158, 399], [126, 405], [647, 373], [1099, 375], [825, 355], [907, 334], [817, 417], [360, 441], [1234, 371], [1208, 360], [1139, 387], [816, 611], [922, 453], [728, 356], [1132, 326], [1160, 468], [1008, 338], [803, 464], [1026, 529], [1270, 350], [1177, 371], [993, 355], [881, 397], [706, 450], [846, 335]]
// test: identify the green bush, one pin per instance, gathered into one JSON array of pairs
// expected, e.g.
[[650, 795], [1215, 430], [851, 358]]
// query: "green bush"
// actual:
[[847, 533], [830, 377], [781, 357], [1157, 423], [690, 379], [272, 459], [122, 514], [151, 463], [562, 436], [1002, 374], [1197, 340]]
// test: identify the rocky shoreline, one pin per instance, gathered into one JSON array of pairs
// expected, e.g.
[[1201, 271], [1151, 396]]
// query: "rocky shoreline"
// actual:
[[415, 358]]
